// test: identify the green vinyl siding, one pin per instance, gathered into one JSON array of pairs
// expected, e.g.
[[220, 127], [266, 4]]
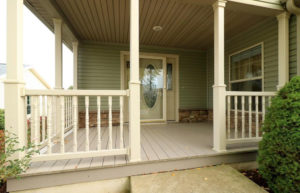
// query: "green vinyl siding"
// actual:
[[99, 68], [293, 45], [265, 32]]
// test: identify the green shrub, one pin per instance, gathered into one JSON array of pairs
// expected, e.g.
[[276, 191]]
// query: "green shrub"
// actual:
[[1, 119], [10, 167], [279, 150]]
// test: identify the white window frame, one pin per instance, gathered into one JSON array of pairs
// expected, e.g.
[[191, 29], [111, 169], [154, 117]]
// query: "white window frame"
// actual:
[[248, 79]]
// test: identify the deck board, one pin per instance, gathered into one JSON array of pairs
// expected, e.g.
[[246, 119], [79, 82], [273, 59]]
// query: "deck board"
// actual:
[[158, 142]]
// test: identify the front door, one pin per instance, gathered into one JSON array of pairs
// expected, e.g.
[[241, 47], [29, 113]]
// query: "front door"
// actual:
[[153, 87]]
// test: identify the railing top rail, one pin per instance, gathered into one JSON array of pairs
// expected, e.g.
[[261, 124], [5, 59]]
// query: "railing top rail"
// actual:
[[246, 93], [53, 92]]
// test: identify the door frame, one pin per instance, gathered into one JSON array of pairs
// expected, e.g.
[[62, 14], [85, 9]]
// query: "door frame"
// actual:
[[164, 58]]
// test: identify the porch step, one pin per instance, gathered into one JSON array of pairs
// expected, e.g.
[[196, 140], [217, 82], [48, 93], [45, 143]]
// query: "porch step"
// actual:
[[216, 179]]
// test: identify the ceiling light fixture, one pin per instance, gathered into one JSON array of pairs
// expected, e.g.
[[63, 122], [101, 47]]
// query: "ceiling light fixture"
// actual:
[[157, 28]]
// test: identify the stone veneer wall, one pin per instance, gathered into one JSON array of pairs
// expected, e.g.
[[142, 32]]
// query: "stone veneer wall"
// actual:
[[193, 115], [104, 119], [185, 116]]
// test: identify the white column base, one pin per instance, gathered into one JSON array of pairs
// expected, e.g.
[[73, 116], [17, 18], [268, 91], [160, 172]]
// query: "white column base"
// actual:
[[219, 122]]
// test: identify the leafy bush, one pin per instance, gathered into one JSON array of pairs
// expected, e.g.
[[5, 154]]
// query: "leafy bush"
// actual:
[[1, 119], [279, 150], [14, 167]]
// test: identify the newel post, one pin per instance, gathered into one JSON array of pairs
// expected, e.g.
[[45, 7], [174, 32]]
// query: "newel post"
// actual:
[[219, 88], [283, 49], [14, 85], [134, 85]]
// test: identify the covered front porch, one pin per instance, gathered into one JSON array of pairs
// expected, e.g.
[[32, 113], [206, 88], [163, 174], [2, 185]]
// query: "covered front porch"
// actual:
[[97, 126]]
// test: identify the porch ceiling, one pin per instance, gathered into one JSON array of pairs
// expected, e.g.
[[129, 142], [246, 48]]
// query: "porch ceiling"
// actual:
[[185, 23]]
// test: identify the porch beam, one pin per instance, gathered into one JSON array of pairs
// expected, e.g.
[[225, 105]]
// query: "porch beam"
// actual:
[[75, 65], [283, 49], [262, 3], [14, 85], [134, 85], [219, 108]]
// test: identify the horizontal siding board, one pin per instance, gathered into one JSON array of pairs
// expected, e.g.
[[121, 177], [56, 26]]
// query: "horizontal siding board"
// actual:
[[293, 46], [99, 68]]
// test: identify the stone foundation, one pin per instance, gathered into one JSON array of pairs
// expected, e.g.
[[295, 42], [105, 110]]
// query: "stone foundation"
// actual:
[[185, 116], [195, 115], [104, 119]]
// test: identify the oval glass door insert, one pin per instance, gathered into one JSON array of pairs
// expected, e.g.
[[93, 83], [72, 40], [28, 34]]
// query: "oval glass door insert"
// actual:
[[149, 86]]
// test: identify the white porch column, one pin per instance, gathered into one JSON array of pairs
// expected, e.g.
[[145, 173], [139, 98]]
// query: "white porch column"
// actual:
[[58, 53], [219, 106], [14, 85], [283, 49], [75, 55], [134, 85], [58, 71]]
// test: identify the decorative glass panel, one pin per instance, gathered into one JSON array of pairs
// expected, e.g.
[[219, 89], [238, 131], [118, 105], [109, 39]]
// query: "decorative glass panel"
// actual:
[[149, 86], [169, 76]]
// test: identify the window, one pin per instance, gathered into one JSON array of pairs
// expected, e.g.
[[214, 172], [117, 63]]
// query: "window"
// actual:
[[169, 76], [246, 70]]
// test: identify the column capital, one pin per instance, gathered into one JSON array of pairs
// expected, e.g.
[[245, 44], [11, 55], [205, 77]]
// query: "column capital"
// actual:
[[57, 21], [284, 15], [219, 3], [75, 43]]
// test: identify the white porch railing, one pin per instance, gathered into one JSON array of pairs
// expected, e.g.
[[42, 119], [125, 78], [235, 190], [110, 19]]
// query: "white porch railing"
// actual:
[[245, 114], [54, 114]]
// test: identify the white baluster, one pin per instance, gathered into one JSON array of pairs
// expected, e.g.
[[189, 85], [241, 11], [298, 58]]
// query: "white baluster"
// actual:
[[250, 115], [110, 122], [235, 117], [256, 114], [43, 119], [62, 131], [54, 101], [39, 118], [99, 123], [87, 140], [49, 123], [243, 116], [35, 125], [121, 122], [25, 120], [75, 125], [228, 116]]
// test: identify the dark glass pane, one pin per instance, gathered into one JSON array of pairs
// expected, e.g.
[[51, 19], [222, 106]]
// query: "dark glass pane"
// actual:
[[251, 85], [169, 76], [246, 64]]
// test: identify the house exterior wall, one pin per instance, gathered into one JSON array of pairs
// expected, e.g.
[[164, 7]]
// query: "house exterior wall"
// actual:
[[293, 45], [99, 68], [266, 32]]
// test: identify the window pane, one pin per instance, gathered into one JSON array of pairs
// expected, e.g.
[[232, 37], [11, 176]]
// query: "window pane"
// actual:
[[251, 85], [169, 76], [246, 64]]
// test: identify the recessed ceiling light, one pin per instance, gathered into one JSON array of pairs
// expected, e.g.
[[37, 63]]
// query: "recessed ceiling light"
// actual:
[[157, 28]]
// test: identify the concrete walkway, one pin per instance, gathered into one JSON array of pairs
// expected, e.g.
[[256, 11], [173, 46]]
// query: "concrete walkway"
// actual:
[[216, 179]]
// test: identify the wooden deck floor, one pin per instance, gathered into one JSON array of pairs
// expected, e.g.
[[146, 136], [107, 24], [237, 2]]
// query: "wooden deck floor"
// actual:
[[159, 142]]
